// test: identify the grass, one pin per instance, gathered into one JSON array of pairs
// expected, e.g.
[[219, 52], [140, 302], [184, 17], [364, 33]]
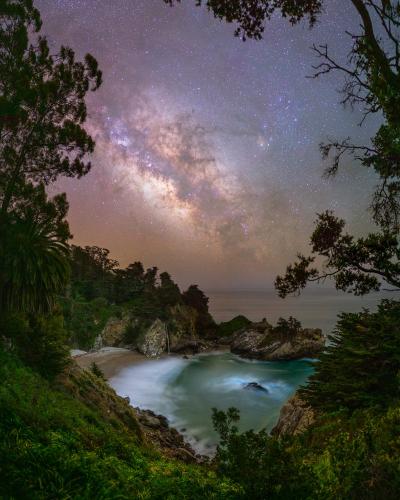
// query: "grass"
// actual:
[[74, 438]]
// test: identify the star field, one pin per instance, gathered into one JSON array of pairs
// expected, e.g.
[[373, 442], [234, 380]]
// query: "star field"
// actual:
[[207, 160]]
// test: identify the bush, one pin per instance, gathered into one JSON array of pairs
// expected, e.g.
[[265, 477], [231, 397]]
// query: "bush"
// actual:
[[40, 341], [85, 320], [265, 467]]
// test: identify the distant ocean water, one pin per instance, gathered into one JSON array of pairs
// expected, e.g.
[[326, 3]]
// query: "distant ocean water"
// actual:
[[315, 308]]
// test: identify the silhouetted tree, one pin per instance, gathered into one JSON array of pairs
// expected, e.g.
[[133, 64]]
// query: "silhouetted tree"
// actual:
[[93, 271], [168, 291], [42, 105], [361, 364], [197, 299], [150, 278], [128, 282], [288, 327]]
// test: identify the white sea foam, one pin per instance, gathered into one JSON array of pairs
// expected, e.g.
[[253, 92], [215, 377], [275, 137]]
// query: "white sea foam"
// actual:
[[147, 384], [185, 391]]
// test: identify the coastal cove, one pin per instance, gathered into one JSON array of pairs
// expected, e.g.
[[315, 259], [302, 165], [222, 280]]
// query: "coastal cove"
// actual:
[[185, 389]]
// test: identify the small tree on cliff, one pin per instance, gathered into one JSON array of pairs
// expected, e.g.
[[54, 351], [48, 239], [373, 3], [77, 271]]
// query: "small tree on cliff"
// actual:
[[168, 291], [197, 299]]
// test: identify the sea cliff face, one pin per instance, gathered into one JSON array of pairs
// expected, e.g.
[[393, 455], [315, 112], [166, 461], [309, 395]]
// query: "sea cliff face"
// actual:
[[295, 417], [177, 333], [262, 341]]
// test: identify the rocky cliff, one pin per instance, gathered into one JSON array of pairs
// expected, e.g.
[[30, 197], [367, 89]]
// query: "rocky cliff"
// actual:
[[153, 342], [295, 417], [175, 333], [262, 341]]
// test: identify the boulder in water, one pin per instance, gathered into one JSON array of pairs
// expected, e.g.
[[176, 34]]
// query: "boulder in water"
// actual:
[[255, 386]]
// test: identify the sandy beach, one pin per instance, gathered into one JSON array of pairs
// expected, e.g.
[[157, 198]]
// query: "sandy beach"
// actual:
[[111, 360]]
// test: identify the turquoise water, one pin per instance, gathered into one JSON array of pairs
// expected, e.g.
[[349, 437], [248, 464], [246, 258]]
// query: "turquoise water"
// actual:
[[185, 391]]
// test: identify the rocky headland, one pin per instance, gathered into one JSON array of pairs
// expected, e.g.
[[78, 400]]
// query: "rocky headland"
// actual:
[[265, 342], [258, 340]]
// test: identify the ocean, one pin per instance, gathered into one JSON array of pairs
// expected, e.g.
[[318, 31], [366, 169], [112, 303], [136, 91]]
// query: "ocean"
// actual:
[[314, 308]]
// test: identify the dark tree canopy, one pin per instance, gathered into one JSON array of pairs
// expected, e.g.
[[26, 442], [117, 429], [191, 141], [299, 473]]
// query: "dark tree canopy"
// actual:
[[42, 105], [358, 265], [360, 366], [250, 16]]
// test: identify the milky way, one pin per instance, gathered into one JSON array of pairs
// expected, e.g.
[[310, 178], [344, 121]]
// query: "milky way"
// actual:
[[207, 160]]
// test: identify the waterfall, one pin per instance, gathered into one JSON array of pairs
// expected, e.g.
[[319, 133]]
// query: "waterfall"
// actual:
[[167, 335]]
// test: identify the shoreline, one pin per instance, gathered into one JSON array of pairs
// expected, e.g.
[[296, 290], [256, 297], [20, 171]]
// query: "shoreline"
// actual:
[[111, 360]]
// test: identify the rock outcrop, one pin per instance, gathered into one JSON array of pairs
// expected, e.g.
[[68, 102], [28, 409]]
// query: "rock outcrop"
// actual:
[[295, 417], [154, 340], [166, 438], [262, 341], [113, 333]]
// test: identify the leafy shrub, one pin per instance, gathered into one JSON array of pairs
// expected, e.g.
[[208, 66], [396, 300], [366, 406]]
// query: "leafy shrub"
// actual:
[[94, 368], [40, 341], [259, 463], [84, 320]]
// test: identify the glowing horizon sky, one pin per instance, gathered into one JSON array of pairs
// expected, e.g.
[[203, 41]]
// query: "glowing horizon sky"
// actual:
[[207, 162]]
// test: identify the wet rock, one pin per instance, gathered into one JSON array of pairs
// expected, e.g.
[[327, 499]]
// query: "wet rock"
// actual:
[[255, 386]]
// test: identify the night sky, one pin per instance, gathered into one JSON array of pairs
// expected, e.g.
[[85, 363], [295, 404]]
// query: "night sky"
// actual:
[[207, 162]]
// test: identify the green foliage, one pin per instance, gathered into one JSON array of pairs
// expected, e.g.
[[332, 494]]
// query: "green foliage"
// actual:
[[143, 295], [54, 446], [97, 371], [287, 327], [259, 463], [341, 457], [40, 341], [357, 265], [42, 105], [134, 330], [227, 328], [34, 264], [92, 272], [168, 291], [84, 320], [195, 298], [360, 367]]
